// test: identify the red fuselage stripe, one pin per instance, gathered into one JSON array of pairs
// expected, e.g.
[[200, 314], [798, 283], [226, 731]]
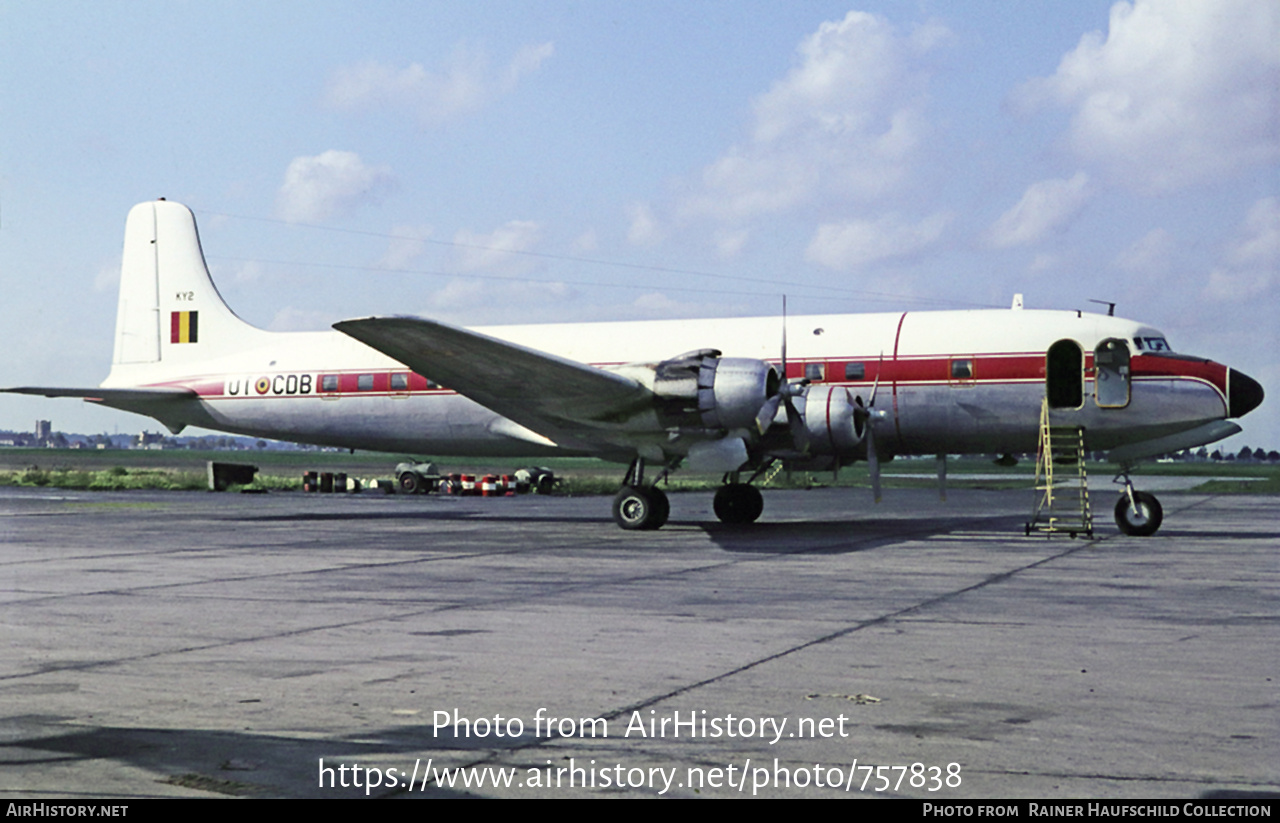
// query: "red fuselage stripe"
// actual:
[[904, 371]]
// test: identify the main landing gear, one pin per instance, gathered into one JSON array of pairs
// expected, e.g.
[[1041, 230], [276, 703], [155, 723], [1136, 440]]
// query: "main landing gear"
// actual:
[[1138, 514], [641, 507], [637, 506], [738, 503]]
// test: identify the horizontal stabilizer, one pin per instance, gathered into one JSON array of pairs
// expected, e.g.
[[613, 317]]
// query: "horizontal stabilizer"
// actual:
[[109, 396], [170, 405]]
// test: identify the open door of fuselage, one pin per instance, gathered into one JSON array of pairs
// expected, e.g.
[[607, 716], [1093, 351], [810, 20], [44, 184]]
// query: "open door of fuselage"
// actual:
[[1111, 374], [1064, 375]]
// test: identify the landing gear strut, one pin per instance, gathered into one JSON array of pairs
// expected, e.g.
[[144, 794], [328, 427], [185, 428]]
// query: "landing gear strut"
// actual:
[[637, 506], [1138, 514]]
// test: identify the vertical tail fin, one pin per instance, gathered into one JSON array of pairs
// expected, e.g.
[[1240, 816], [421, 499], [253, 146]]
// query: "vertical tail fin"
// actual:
[[169, 309]]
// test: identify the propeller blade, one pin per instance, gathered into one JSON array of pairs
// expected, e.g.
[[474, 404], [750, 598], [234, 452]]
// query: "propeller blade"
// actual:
[[769, 411], [876, 385], [873, 463], [784, 338], [799, 429]]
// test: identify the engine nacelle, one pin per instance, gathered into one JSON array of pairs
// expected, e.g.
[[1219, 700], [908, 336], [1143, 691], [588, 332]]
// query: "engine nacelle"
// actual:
[[701, 389], [830, 421]]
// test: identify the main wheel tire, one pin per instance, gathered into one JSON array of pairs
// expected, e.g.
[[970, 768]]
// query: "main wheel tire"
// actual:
[[409, 482], [639, 507], [1143, 522], [738, 503], [661, 507]]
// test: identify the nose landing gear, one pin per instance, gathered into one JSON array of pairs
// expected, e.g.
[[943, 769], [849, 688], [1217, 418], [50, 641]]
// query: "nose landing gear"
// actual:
[[1138, 514]]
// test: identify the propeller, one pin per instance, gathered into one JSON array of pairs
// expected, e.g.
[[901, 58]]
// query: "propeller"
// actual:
[[786, 391], [867, 415]]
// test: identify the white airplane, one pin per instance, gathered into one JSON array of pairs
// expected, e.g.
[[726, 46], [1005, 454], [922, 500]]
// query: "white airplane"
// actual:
[[854, 386]]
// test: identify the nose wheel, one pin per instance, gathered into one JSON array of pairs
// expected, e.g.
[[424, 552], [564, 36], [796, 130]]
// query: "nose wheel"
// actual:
[[1138, 514]]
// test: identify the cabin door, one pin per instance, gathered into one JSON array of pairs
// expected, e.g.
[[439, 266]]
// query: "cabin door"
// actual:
[[1111, 373], [1064, 375]]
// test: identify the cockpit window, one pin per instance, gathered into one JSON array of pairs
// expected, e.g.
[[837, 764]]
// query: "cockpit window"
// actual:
[[1150, 344]]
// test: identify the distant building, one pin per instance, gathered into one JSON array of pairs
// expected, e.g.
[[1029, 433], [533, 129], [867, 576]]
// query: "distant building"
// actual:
[[148, 440], [44, 432]]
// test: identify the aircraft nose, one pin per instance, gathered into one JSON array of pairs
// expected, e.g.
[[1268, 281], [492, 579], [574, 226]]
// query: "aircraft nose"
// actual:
[[1245, 393]]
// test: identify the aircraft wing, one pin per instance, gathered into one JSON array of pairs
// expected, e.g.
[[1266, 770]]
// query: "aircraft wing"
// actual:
[[551, 395]]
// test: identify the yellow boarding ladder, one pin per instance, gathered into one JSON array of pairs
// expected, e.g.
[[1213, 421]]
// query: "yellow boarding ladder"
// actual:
[[1062, 502]]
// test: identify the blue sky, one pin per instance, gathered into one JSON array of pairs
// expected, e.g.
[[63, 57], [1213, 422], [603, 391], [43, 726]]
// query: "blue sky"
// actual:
[[870, 157]]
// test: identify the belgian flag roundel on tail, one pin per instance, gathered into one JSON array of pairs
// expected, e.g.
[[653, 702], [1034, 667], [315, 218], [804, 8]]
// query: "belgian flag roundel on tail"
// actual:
[[183, 326]]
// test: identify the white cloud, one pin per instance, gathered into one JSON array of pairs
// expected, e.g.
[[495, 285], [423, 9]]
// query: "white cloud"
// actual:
[[493, 251], [730, 243], [658, 304], [464, 84], [842, 125], [1175, 93], [847, 246], [108, 276], [1152, 254], [291, 319], [510, 300], [1251, 261], [249, 271], [644, 229], [329, 184], [1259, 240], [586, 242], [406, 246], [1043, 262], [1047, 206]]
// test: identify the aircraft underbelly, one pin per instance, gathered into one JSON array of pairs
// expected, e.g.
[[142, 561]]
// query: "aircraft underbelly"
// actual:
[[1157, 407], [1005, 418], [944, 419], [427, 425]]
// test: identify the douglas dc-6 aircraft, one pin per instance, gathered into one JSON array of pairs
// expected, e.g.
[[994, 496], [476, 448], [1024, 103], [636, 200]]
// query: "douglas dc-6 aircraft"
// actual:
[[855, 386]]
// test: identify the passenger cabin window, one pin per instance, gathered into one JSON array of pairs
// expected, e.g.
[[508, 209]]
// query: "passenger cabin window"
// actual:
[[855, 371], [962, 369], [329, 382], [1111, 374], [814, 371], [400, 381], [364, 382]]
